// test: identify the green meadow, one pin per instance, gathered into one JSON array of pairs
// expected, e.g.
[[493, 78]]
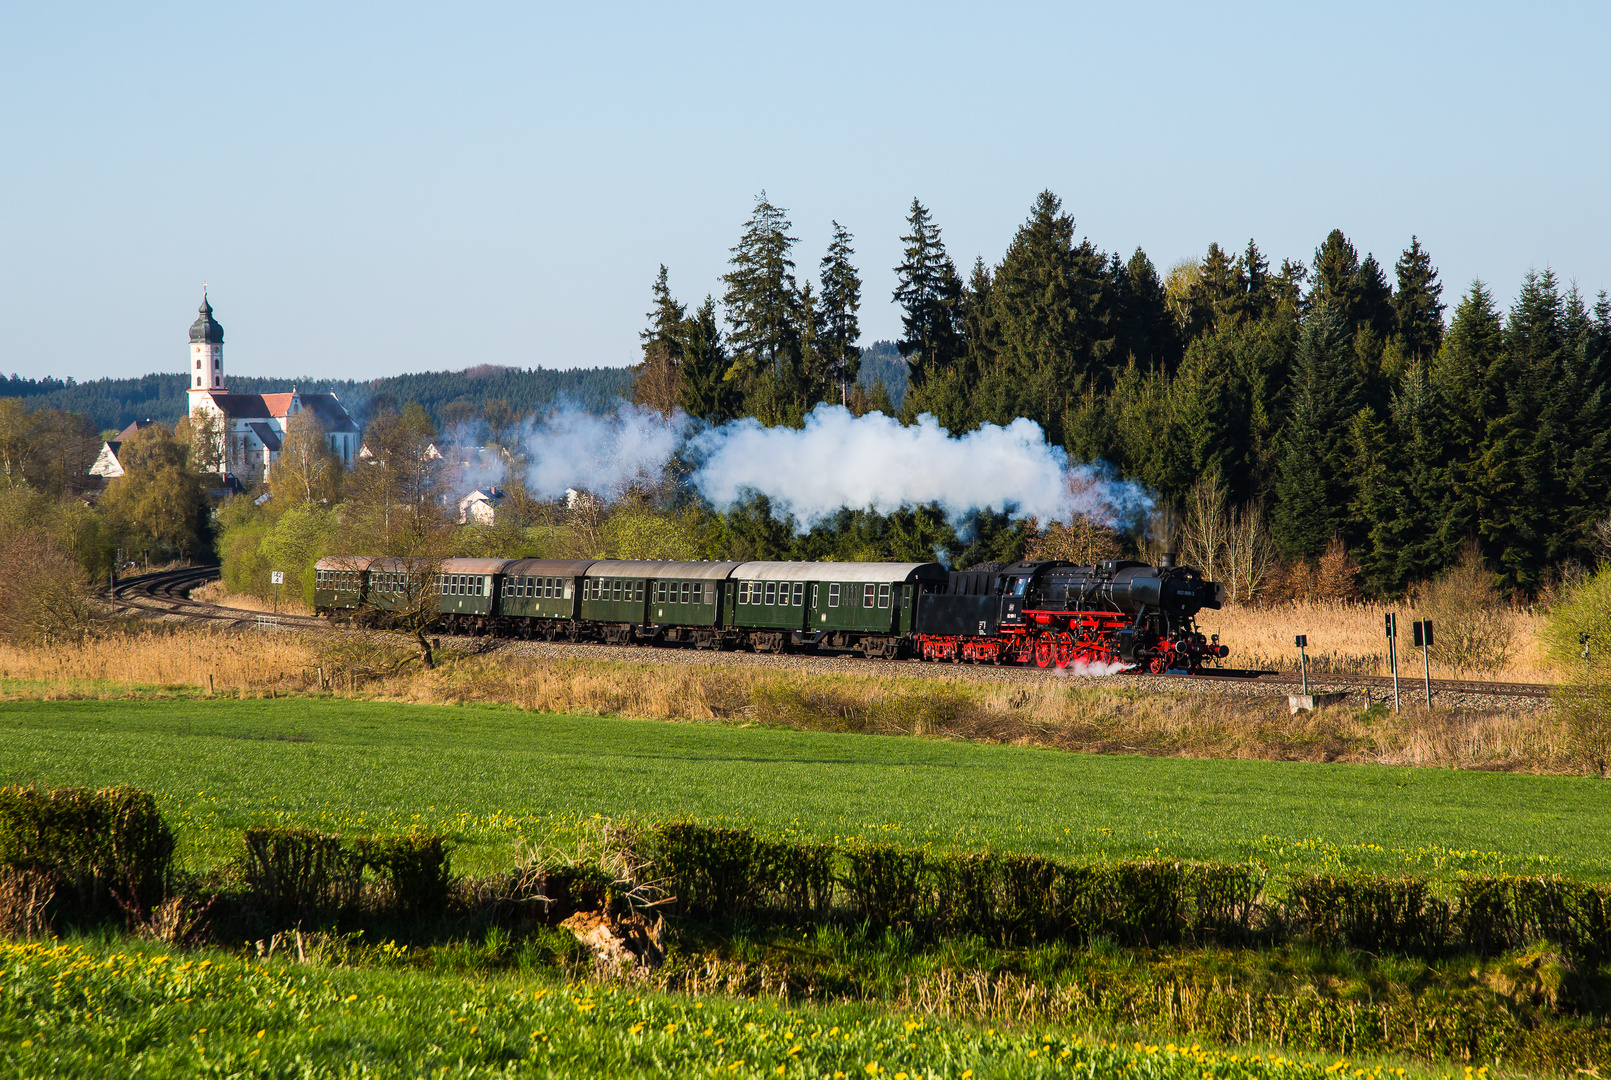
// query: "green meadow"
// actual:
[[495, 778]]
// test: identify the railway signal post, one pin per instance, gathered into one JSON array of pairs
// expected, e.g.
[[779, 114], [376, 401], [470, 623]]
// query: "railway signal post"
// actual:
[[1392, 652], [1423, 640]]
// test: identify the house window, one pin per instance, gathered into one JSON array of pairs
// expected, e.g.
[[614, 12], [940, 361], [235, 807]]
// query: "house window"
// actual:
[[833, 594]]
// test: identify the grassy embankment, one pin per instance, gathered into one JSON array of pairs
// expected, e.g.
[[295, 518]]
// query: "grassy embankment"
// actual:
[[1087, 715]]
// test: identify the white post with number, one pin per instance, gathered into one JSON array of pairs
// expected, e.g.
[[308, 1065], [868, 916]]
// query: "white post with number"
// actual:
[[277, 578]]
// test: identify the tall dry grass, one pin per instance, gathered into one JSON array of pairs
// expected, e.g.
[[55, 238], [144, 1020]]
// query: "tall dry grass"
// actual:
[[155, 659], [1351, 639], [1081, 717], [216, 592]]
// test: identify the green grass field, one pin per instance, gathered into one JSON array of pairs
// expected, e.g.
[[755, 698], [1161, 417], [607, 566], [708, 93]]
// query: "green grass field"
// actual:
[[92, 1009], [493, 776]]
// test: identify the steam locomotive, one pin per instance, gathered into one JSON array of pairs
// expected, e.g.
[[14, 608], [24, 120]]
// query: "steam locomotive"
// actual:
[[1113, 616]]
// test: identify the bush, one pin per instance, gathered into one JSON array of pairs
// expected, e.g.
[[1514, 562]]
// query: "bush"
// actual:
[[99, 854], [1471, 625], [716, 872], [299, 875]]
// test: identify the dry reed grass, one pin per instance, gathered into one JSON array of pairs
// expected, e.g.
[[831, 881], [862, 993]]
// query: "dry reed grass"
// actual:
[[216, 592], [247, 664], [1090, 719], [1350, 639]]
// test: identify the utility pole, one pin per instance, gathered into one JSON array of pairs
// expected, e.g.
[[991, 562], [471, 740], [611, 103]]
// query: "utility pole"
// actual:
[[1392, 653]]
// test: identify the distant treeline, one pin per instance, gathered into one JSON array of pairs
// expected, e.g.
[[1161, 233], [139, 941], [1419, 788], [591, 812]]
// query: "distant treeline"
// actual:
[[448, 396]]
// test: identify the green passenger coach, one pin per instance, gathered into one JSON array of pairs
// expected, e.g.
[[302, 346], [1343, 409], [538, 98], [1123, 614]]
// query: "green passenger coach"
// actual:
[[339, 584], [862, 606], [540, 597]]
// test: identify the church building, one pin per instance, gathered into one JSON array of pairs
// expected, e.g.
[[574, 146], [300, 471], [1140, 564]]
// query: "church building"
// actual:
[[251, 428]]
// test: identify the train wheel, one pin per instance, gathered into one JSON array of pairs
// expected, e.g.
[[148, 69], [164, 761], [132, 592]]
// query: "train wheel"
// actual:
[[1065, 649], [1045, 649]]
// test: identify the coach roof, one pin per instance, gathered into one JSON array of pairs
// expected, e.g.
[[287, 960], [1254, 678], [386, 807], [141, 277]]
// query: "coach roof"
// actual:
[[650, 568], [548, 567], [344, 562], [839, 571], [474, 566]]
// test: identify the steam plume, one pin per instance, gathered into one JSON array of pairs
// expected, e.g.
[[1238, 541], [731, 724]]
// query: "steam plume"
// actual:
[[572, 448], [838, 460]]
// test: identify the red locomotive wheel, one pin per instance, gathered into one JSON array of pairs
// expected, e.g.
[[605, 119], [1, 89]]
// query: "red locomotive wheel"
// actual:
[[1065, 649], [1045, 649]]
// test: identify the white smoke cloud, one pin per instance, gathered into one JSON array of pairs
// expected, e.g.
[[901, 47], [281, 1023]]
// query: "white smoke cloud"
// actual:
[[571, 448], [839, 460], [1091, 668]]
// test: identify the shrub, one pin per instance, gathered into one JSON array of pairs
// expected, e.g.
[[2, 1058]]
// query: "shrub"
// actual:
[[99, 853], [716, 872], [1471, 625], [297, 874], [416, 871]]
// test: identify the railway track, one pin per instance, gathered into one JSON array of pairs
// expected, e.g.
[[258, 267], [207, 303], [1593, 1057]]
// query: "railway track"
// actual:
[[1409, 683], [168, 594]]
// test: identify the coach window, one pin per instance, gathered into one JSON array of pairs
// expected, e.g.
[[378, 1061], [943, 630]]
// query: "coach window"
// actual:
[[883, 596], [833, 594], [867, 596], [710, 592], [637, 592], [771, 592], [743, 592], [799, 593]]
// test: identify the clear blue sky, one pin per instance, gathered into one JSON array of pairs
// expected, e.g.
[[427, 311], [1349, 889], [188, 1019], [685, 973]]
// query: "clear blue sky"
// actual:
[[374, 188]]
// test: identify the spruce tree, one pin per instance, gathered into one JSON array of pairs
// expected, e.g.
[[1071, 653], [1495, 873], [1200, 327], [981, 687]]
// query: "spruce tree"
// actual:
[[1335, 266], [1312, 485], [837, 327], [1417, 304], [929, 293], [707, 392], [1466, 402], [1049, 299], [664, 319], [762, 302], [1144, 329]]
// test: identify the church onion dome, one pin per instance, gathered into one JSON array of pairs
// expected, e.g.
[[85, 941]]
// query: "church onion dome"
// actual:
[[206, 328]]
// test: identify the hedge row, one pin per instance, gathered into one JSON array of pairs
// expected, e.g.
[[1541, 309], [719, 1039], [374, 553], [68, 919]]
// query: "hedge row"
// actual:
[[733, 874], [298, 875], [87, 855], [73, 857]]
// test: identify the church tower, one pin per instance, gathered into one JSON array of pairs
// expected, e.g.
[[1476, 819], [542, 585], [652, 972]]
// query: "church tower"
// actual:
[[206, 352]]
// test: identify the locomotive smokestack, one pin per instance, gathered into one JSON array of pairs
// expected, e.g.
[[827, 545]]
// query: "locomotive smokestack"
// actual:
[[1166, 561]]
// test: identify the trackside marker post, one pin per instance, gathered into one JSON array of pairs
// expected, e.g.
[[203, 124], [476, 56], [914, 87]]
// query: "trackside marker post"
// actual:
[[1423, 639], [1392, 652], [1302, 642]]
